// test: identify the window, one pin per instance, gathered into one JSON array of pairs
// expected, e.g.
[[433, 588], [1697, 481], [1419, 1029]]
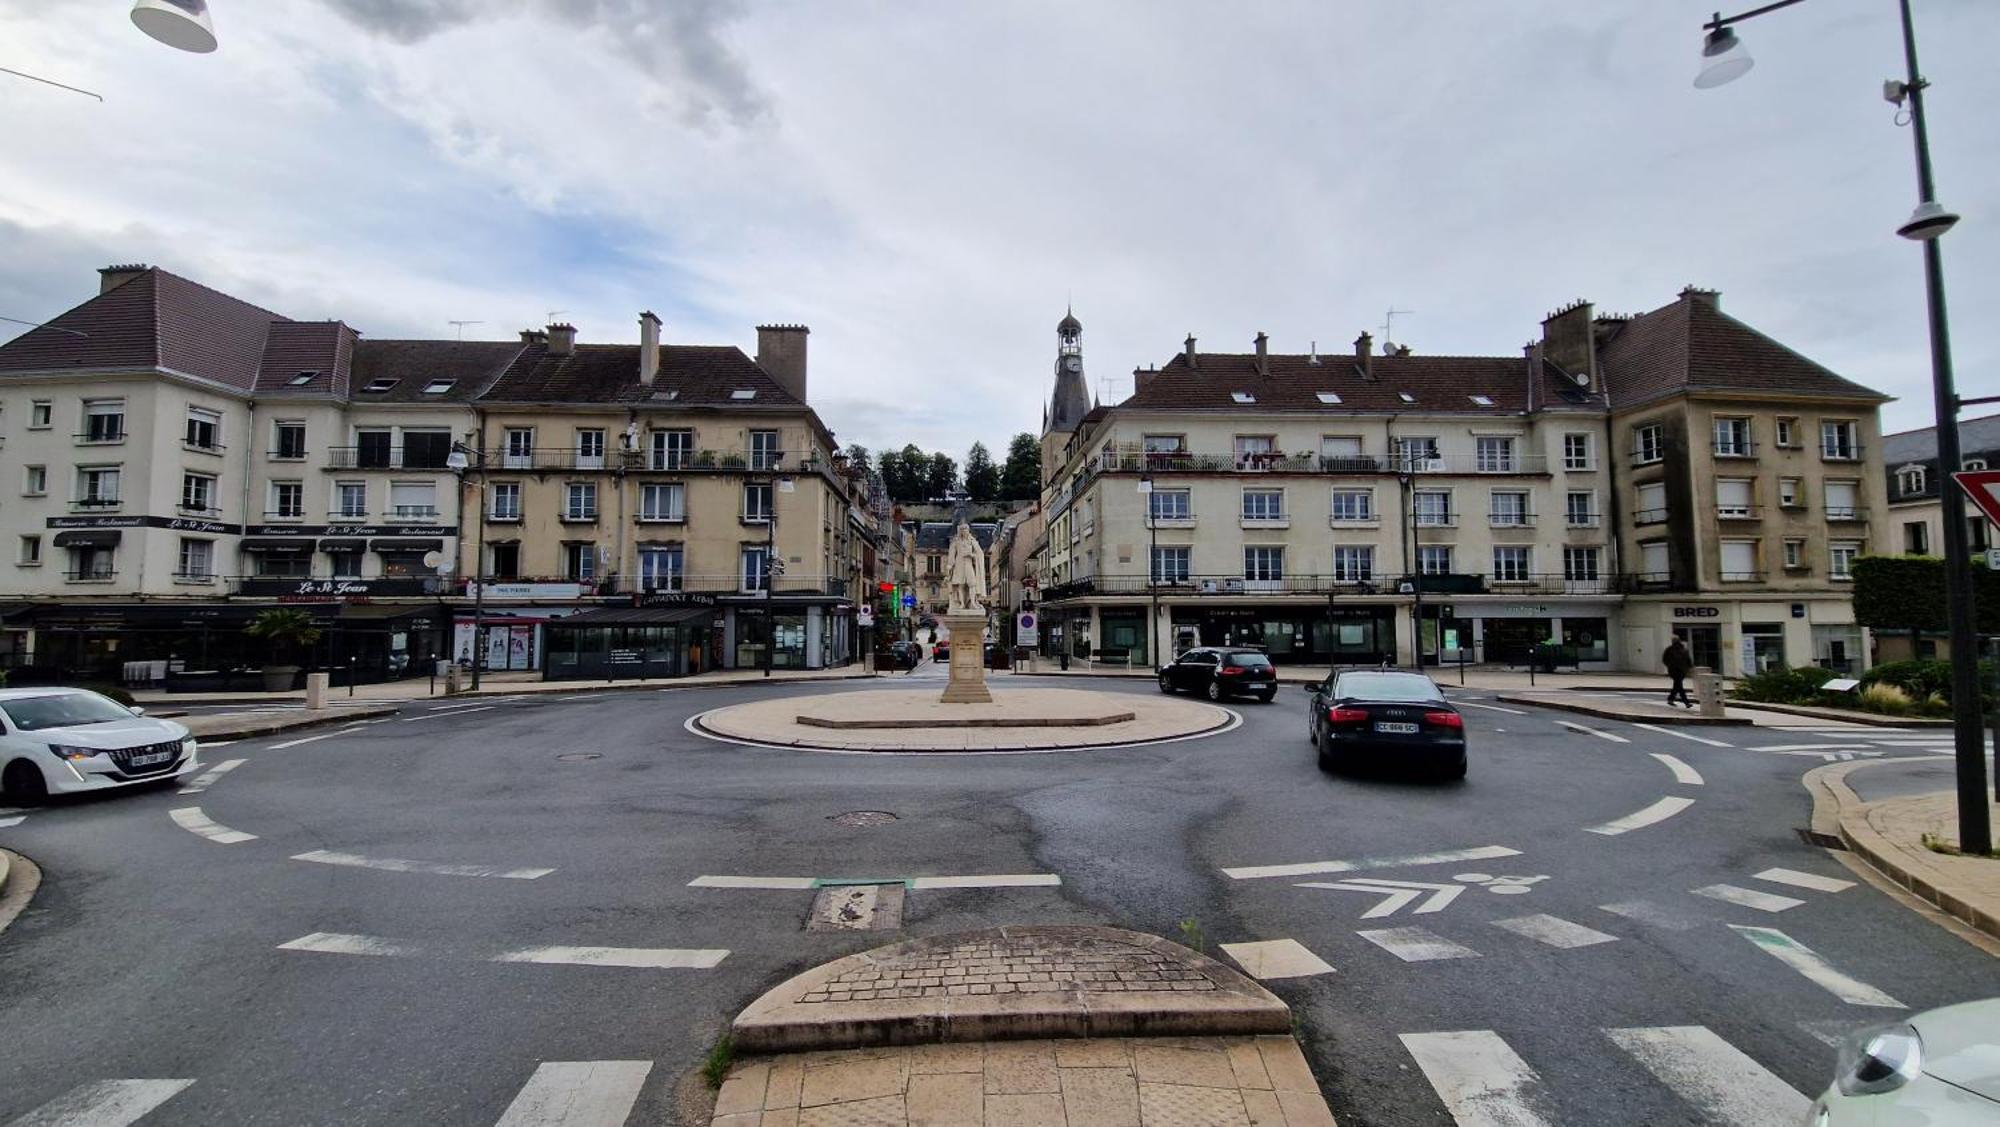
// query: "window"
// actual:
[[1413, 451], [764, 452], [1353, 505], [41, 414], [1170, 565], [1732, 438], [517, 448], [673, 449], [1481, 400], [1576, 452], [1652, 503], [350, 500], [1739, 561], [1164, 443], [744, 393], [91, 563], [757, 502], [1795, 554], [1169, 504], [1580, 509], [372, 448], [413, 500], [378, 386], [1406, 397], [1842, 499], [756, 572], [1513, 564], [104, 420], [1341, 451], [1353, 563], [303, 378], [1255, 451], [1495, 454], [506, 501], [1264, 565], [204, 429], [1242, 397], [1264, 504], [426, 449], [345, 563], [580, 501], [1973, 465], [439, 387], [97, 486], [590, 448], [1508, 509], [197, 560], [1839, 440], [35, 480], [287, 499], [1732, 497], [1788, 492], [198, 493], [663, 501], [1787, 431], [1433, 507], [579, 561], [1580, 564], [288, 440], [30, 554], [1653, 565], [1649, 444], [660, 568], [1916, 538], [1330, 398], [1434, 559], [1840, 558], [1910, 480]]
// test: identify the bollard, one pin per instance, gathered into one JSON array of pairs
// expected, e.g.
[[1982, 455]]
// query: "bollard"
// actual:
[[316, 684], [452, 679], [1708, 691]]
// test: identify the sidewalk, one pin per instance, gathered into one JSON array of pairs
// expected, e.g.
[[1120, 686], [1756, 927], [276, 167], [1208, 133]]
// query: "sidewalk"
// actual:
[[247, 725], [1623, 708], [1476, 677], [508, 684], [1889, 834]]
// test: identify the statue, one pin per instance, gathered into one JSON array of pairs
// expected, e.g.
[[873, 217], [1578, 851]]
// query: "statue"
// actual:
[[966, 573]]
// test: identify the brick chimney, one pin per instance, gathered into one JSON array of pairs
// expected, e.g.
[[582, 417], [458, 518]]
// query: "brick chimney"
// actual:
[[111, 277], [562, 339], [1569, 341], [1263, 355], [1532, 352], [1192, 362], [1710, 298], [1364, 355], [649, 348], [781, 351], [534, 336]]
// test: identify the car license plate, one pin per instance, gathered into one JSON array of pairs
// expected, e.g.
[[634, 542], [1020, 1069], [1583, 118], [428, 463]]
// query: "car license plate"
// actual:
[[149, 760], [1396, 726]]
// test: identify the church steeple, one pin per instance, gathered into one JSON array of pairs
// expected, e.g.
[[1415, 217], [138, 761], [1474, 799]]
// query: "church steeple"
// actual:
[[1072, 398]]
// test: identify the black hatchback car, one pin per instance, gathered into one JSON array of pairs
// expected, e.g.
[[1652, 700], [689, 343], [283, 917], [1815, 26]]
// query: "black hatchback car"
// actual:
[[1221, 671], [1386, 717]]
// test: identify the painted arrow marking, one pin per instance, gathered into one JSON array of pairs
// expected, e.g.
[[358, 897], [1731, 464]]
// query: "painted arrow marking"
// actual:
[[1832, 756], [1396, 894]]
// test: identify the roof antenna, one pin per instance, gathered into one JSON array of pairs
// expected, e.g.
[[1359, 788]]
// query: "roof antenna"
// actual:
[[553, 314], [1388, 328], [460, 326], [44, 325]]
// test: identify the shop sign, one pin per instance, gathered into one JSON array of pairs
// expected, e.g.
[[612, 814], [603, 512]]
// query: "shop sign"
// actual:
[[525, 590], [626, 657], [179, 524], [672, 599], [1697, 612], [333, 589], [305, 530]]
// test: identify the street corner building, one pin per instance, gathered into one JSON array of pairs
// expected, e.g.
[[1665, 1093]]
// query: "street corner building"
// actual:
[[186, 460], [1621, 481]]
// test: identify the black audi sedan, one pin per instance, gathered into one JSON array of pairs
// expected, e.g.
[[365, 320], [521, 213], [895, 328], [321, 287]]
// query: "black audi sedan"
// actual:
[[1386, 717], [1221, 671]]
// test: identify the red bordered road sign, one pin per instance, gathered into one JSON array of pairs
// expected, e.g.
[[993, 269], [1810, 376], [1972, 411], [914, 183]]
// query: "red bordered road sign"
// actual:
[[1983, 486]]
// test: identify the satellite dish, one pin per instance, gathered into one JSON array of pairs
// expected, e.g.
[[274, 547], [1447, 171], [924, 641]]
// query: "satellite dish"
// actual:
[[433, 559]]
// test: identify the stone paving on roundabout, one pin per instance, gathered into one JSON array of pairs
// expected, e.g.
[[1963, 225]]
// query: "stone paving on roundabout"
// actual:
[[908, 720]]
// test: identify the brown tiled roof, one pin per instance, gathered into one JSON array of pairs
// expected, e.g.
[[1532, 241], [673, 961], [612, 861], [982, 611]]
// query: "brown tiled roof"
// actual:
[[1437, 384], [154, 320], [690, 376], [1693, 346], [296, 347], [472, 366]]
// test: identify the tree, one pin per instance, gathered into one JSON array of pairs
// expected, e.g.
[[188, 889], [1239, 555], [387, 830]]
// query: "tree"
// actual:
[[859, 458], [1906, 593], [1021, 477], [982, 477], [903, 474], [941, 476]]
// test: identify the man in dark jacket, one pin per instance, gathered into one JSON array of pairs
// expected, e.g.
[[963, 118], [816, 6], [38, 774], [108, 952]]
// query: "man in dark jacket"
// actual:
[[1678, 662]]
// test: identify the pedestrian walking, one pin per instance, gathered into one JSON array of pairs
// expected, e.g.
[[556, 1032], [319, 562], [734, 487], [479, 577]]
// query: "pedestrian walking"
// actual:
[[1678, 662]]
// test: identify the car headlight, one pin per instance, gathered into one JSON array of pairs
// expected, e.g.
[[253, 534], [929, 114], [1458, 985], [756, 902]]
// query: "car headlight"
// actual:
[[72, 754], [1880, 1060], [189, 745]]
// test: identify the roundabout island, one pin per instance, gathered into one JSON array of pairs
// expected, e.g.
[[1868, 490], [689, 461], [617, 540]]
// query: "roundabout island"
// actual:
[[903, 720]]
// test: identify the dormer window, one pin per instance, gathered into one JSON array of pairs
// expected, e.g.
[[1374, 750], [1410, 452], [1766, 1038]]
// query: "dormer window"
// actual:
[[381, 385], [439, 387], [1242, 397], [1910, 479], [303, 378], [1329, 397], [743, 393], [1406, 397], [1482, 400]]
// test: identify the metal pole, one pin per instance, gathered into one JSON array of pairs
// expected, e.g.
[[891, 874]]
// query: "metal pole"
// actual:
[[1153, 581], [1416, 581], [770, 581], [479, 578], [1975, 834]]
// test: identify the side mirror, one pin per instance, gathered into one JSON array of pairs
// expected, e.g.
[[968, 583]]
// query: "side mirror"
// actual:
[[138, 710]]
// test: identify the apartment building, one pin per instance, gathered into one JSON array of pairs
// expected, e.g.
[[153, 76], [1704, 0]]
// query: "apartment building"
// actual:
[[1915, 485]]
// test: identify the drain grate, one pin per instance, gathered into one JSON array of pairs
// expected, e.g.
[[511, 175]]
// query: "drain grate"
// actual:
[[863, 818], [578, 756]]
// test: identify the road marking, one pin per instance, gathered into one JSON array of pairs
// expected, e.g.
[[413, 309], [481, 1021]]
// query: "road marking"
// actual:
[[995, 880], [656, 958], [1748, 898], [1638, 820], [12, 820], [307, 740], [1804, 880], [103, 1103], [588, 1093], [1808, 962], [336, 943], [1713, 1075], [1555, 931], [457, 712], [1311, 868], [752, 882], [1599, 733], [207, 778], [1682, 772], [1277, 958], [1482, 1082], [1397, 894], [191, 819], [1681, 735], [1811, 747], [1415, 945], [393, 865], [1490, 708], [585, 696], [211, 745], [1647, 912], [1832, 756]]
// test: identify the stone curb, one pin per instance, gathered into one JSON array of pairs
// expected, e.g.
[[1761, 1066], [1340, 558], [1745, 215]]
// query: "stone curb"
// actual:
[[778, 1022], [1608, 712], [1838, 811], [265, 726], [1850, 715], [975, 722], [19, 878]]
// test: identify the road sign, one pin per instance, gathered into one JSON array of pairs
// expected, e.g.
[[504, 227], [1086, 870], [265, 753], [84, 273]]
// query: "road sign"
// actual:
[[1983, 486], [1027, 621], [1025, 631], [864, 616], [909, 600]]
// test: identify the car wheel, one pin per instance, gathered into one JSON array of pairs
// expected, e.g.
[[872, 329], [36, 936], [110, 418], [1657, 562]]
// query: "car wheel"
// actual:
[[23, 783], [1166, 683], [1312, 731], [1215, 689], [1267, 698], [1326, 761]]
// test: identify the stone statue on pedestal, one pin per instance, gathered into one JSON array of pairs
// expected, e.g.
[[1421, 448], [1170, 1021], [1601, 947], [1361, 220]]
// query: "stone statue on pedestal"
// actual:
[[965, 617], [966, 572]]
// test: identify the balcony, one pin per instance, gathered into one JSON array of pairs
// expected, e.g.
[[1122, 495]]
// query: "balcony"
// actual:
[[1739, 512], [375, 458], [101, 437], [1510, 520], [1236, 586], [215, 448], [412, 514], [347, 515], [579, 516], [91, 575], [284, 514], [1649, 516], [195, 578], [1131, 459], [95, 504], [1742, 576], [1842, 514], [721, 584], [1840, 452], [209, 512]]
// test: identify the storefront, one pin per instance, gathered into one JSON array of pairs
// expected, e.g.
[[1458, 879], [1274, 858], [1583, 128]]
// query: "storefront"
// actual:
[[1363, 634], [788, 633], [514, 628], [615, 643], [1513, 633], [1741, 637]]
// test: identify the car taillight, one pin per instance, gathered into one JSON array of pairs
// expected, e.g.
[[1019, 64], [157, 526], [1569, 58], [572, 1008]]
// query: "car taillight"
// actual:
[[1346, 716], [1232, 669], [1444, 719]]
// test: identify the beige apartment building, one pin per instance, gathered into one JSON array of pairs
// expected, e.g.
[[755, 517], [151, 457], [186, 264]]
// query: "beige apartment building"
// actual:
[[1916, 485]]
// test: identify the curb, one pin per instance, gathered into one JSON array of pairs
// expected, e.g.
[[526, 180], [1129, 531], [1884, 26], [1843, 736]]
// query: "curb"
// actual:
[[1851, 716], [664, 684], [1604, 712], [19, 878], [1836, 813], [268, 727]]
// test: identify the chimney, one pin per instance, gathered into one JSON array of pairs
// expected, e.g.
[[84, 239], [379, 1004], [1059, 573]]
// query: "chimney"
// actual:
[[1189, 353], [1364, 355], [111, 277], [1568, 340], [534, 336], [1263, 355], [1532, 353], [1313, 357], [1710, 298], [562, 339], [1141, 377], [649, 347], [781, 351]]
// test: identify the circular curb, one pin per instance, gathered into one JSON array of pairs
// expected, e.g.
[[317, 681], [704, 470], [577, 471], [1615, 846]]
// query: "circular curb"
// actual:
[[1232, 721], [19, 879]]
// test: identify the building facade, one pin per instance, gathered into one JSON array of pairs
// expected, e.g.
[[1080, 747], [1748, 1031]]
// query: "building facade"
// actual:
[[1915, 486]]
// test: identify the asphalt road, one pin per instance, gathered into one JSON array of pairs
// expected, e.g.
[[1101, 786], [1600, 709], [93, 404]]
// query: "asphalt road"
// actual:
[[152, 952]]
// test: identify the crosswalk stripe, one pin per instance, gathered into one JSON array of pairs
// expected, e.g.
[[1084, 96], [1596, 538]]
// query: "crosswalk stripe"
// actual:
[[395, 865], [1805, 880], [1416, 945], [1713, 1075], [103, 1103], [1554, 931], [751, 882], [1748, 897], [335, 943], [654, 958], [1482, 1082], [207, 778], [1639, 819], [989, 880], [191, 819], [590, 1093], [1477, 853], [1808, 962], [1277, 958], [1689, 736], [1682, 772], [1647, 912]]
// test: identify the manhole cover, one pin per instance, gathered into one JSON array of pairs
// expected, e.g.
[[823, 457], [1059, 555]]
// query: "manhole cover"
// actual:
[[863, 818], [578, 756]]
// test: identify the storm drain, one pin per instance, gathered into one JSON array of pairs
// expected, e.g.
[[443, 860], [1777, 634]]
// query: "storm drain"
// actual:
[[863, 818], [578, 756], [857, 907]]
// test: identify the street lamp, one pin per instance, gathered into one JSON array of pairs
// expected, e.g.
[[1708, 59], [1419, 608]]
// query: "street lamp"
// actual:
[[1725, 59], [1152, 572], [181, 24], [459, 461]]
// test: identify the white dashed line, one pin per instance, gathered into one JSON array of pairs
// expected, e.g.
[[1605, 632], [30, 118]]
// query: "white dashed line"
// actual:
[[1681, 735], [1599, 733], [207, 778], [589, 1093], [307, 740], [103, 1103], [1811, 747], [1416, 945], [1805, 880], [335, 943], [191, 819], [1638, 820], [1808, 962], [457, 712], [996, 880], [1311, 868], [1656, 915], [793, 883], [1682, 772], [394, 865], [653, 958], [1490, 707], [1748, 898], [1555, 931]]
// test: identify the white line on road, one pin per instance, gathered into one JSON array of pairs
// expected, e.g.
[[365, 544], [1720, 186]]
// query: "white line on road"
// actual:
[[588, 1093], [336, 943], [393, 865], [1811, 747], [1555, 931], [1638, 820], [191, 819], [1682, 772], [1805, 880], [1748, 898], [1490, 707], [103, 1103], [211, 745], [458, 712], [1416, 945], [1647, 912], [1482, 1082], [1310, 868], [1808, 962], [1277, 958], [1599, 733], [1396, 894], [1681, 735], [657, 958], [585, 696], [9, 818], [794, 883], [307, 740], [1713, 1075], [207, 778], [995, 880]]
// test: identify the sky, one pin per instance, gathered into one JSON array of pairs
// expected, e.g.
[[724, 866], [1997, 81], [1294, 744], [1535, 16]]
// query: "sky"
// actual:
[[928, 185]]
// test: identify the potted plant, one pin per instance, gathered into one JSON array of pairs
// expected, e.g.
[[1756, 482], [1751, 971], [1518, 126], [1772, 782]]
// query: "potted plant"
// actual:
[[704, 460], [287, 632]]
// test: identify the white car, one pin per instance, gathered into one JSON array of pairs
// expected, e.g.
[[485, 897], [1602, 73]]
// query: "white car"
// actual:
[[69, 741], [1939, 1068]]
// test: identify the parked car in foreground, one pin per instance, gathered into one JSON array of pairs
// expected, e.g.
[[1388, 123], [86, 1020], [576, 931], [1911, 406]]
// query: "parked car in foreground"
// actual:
[[1939, 1068], [1387, 717], [69, 741], [1221, 671]]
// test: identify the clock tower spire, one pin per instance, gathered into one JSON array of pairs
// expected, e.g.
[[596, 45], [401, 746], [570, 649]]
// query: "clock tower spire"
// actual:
[[1072, 396]]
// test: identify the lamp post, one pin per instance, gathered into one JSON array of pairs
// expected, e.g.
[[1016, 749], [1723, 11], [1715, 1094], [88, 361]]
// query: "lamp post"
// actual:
[[459, 461], [181, 24], [1152, 572], [1725, 59]]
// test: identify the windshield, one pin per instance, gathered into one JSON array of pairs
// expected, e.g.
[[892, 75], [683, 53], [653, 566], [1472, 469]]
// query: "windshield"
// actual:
[[1250, 659], [63, 710], [1386, 686]]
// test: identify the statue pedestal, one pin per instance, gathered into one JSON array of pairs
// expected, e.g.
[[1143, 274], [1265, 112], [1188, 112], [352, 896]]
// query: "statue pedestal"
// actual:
[[968, 660]]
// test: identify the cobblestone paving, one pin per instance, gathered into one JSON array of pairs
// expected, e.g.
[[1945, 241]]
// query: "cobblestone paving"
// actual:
[[999, 966]]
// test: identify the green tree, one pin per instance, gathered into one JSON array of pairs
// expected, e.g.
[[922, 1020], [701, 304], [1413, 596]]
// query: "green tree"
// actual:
[[1021, 476], [859, 458], [1906, 594], [940, 477], [903, 474], [982, 477]]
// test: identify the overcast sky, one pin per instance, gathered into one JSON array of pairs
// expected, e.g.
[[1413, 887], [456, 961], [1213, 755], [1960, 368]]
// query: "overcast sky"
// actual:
[[927, 184]]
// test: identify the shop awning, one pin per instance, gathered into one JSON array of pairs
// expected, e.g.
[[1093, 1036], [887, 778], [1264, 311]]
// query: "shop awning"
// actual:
[[634, 616], [352, 612], [88, 538], [343, 545], [274, 544], [405, 544]]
